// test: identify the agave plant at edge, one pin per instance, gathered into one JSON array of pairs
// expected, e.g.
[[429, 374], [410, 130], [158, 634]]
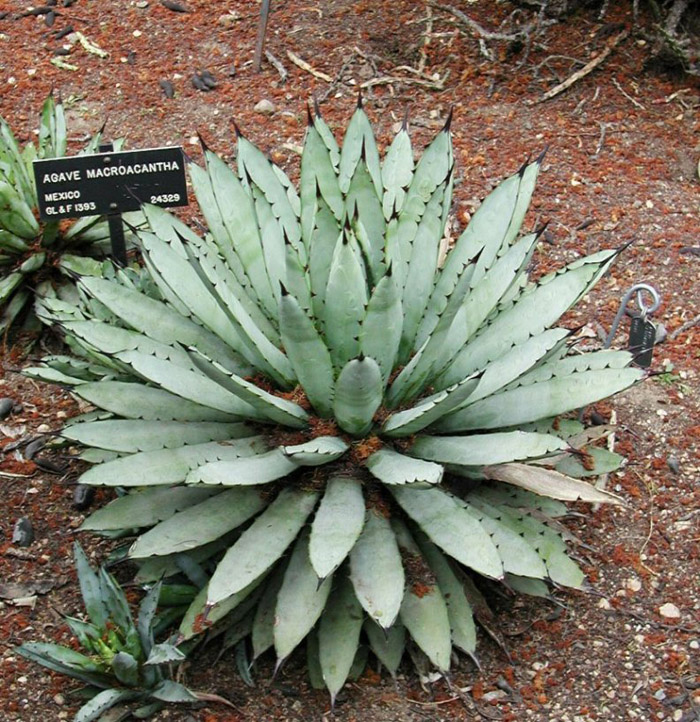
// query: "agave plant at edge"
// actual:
[[305, 402], [30, 248]]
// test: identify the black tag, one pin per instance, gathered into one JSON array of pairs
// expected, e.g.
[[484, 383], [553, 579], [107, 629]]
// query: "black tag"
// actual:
[[641, 342], [110, 182]]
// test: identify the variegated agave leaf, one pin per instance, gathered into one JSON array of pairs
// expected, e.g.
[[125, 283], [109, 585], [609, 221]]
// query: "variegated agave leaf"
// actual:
[[304, 402]]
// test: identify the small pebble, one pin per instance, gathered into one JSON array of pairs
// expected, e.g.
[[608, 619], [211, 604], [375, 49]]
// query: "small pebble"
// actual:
[[208, 79], [633, 584], [673, 464], [494, 696], [167, 88], [43, 429], [6, 407], [59, 699], [670, 611], [597, 419], [200, 84], [142, 4], [228, 19], [23, 532], [265, 107]]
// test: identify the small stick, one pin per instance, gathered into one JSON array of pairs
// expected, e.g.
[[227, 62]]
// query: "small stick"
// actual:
[[391, 79], [426, 40], [601, 140], [586, 69], [277, 65], [305, 66], [634, 102], [688, 324]]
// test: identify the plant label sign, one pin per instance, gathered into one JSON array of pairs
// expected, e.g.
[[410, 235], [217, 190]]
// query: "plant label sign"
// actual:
[[110, 182], [641, 341]]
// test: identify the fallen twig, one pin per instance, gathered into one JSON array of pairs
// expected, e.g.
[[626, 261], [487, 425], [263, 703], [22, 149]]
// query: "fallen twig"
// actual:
[[523, 33], [687, 325], [634, 102], [305, 66], [348, 62], [438, 84], [601, 139], [277, 65], [426, 40], [586, 69]]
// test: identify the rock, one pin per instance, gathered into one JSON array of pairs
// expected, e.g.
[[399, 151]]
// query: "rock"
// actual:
[[167, 88], [494, 696], [597, 419], [208, 79], [23, 533], [142, 4], [199, 83], [604, 604], [633, 584], [673, 464], [83, 496], [660, 334], [670, 611], [229, 19], [265, 107], [176, 7], [6, 407]]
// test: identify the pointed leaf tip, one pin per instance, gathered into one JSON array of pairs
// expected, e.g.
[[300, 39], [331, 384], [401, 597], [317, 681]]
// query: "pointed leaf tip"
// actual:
[[541, 156], [448, 122], [404, 122], [310, 118], [205, 147], [359, 99], [283, 289], [541, 229], [236, 129]]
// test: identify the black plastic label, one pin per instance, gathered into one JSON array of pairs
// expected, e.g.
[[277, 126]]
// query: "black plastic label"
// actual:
[[641, 341], [112, 182]]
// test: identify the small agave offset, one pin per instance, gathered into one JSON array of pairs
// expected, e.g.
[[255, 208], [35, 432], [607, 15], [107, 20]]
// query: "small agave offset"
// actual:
[[121, 664], [346, 433]]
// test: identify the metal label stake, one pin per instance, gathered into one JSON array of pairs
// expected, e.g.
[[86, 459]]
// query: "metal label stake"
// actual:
[[114, 221], [642, 331]]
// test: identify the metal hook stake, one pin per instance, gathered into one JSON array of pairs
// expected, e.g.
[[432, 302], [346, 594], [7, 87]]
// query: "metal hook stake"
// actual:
[[639, 289]]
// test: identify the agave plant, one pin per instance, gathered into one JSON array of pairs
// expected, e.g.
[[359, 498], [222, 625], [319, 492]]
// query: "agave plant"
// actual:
[[28, 246], [346, 431], [121, 663]]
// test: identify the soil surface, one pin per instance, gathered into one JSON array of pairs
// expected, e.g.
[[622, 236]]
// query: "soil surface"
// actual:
[[621, 168]]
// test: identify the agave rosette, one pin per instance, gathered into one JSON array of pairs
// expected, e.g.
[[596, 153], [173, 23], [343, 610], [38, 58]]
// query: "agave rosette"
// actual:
[[343, 430]]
